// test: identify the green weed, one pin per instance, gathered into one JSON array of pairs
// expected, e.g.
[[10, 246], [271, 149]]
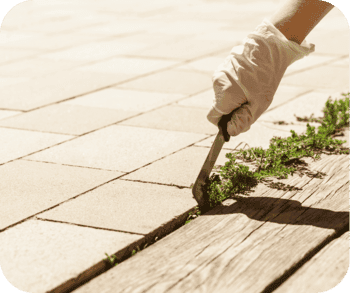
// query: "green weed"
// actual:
[[282, 158]]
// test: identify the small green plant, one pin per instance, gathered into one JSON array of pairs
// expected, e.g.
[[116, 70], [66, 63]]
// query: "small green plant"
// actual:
[[136, 250], [282, 158], [111, 259], [192, 215]]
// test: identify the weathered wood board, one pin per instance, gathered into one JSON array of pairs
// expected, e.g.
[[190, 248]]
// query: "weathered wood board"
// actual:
[[322, 272], [243, 246]]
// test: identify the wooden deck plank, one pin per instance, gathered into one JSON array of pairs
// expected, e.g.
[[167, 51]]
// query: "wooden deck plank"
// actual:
[[322, 272], [243, 246]]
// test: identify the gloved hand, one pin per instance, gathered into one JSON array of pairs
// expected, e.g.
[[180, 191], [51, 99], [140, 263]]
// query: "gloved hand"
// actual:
[[248, 78]]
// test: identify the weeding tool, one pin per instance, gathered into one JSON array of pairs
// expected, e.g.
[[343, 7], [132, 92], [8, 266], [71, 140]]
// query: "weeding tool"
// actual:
[[220, 139]]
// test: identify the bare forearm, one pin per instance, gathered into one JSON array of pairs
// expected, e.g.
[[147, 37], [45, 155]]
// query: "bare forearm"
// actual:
[[296, 18]]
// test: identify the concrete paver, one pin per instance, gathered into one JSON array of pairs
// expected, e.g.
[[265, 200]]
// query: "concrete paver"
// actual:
[[34, 67], [344, 62], [120, 148], [207, 64], [130, 66], [171, 81], [303, 106], [53, 88], [6, 113], [127, 100], [321, 77], [202, 100], [16, 143], [184, 49], [96, 50], [37, 256], [66, 119], [125, 206], [180, 168], [336, 43], [31, 187], [286, 93], [309, 61], [47, 43], [6, 81], [174, 118], [120, 27], [8, 55]]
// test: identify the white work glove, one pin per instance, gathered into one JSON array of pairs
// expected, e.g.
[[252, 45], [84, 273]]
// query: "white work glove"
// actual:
[[248, 78]]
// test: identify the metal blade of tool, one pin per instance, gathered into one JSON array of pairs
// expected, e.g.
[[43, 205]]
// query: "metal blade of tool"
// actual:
[[221, 137]]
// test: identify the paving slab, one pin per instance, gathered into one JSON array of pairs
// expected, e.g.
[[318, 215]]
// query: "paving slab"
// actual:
[[186, 26], [180, 168], [286, 93], [52, 42], [96, 51], [328, 78], [64, 25], [31, 187], [37, 256], [66, 119], [332, 42], [259, 135], [125, 206], [344, 62], [17, 143], [6, 81], [305, 105], [33, 67], [207, 64], [175, 118], [184, 49], [128, 65], [121, 148], [53, 88], [154, 39], [127, 100], [323, 272], [6, 113], [9, 55], [119, 27], [313, 60], [234, 36], [171, 81], [202, 100]]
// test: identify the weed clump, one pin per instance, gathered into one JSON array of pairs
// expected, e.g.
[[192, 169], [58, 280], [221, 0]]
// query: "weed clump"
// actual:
[[283, 157]]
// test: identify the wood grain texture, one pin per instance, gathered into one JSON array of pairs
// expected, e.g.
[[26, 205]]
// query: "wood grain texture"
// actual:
[[244, 245], [323, 272]]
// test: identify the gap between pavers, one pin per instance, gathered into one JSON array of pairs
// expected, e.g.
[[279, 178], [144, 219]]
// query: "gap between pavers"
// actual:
[[66, 119], [127, 100], [28, 188], [37, 256], [116, 147], [303, 106], [125, 206], [16, 143], [174, 118], [57, 87], [180, 168]]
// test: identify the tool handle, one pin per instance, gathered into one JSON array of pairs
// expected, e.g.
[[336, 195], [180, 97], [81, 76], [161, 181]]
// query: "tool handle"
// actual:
[[223, 125]]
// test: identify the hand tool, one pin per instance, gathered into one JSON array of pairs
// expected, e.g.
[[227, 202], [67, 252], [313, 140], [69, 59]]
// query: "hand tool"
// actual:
[[222, 136]]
